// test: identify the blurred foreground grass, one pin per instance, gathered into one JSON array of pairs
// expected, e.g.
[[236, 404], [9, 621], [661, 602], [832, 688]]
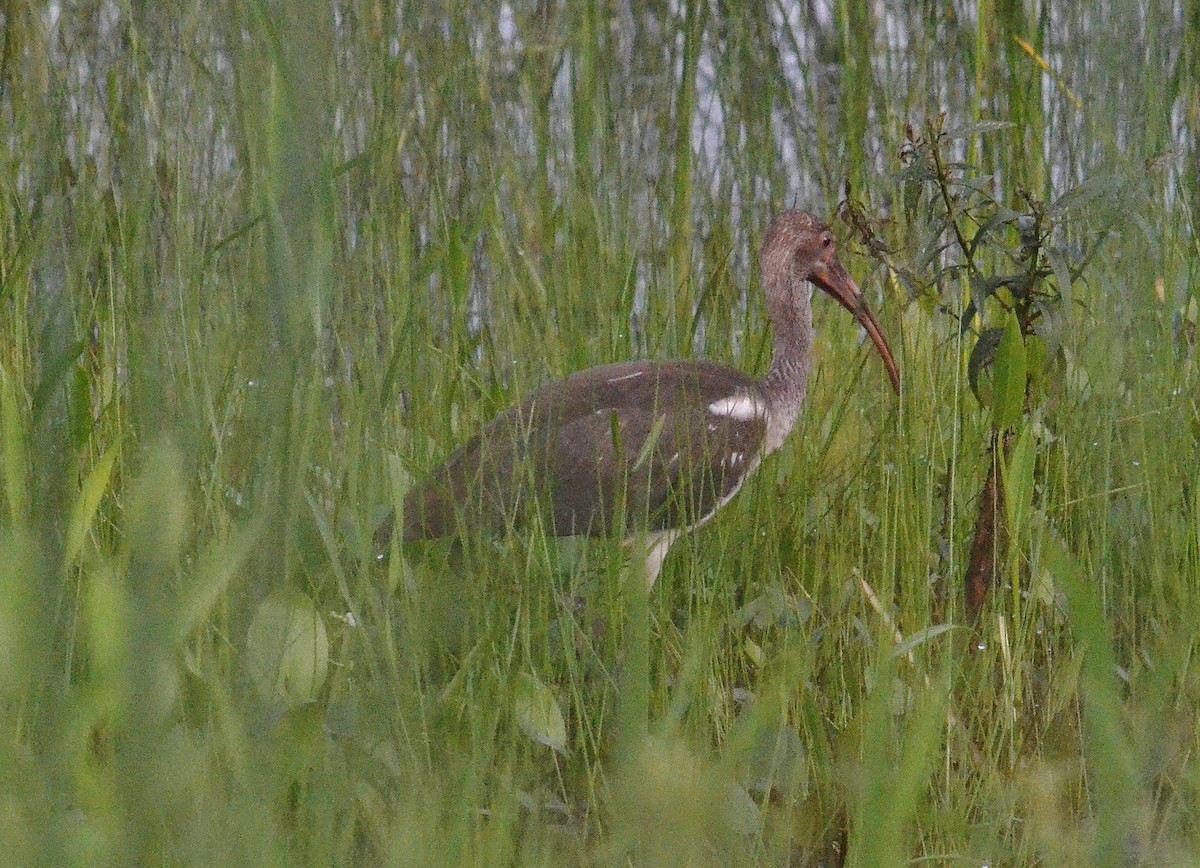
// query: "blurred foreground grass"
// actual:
[[263, 264]]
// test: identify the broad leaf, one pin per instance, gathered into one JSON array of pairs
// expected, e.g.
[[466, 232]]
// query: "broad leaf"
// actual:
[[1009, 376], [982, 356], [83, 513], [287, 648], [1018, 480], [538, 714]]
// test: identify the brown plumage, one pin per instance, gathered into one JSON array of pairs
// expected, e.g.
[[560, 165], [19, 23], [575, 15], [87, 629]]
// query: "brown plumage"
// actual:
[[645, 446]]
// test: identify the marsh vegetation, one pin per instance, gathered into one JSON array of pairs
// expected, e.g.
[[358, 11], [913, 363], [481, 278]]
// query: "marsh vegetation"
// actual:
[[263, 265]]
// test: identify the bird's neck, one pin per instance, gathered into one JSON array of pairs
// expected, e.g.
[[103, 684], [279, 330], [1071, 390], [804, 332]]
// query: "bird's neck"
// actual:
[[785, 383]]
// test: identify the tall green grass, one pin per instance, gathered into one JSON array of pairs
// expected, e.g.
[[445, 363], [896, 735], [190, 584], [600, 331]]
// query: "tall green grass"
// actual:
[[264, 265]]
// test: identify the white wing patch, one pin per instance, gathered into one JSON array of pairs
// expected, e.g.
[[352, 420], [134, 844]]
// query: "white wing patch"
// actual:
[[625, 377], [744, 408]]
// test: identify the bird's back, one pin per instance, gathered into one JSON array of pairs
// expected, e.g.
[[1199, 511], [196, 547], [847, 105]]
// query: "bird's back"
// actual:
[[603, 452]]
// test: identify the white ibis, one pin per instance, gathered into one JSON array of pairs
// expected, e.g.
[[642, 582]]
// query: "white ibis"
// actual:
[[654, 448]]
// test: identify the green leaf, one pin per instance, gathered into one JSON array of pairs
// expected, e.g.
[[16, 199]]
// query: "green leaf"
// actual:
[[216, 566], [975, 129], [538, 714], [983, 355], [1095, 187], [739, 812], [1008, 382], [1049, 326], [88, 502], [1036, 361], [287, 648], [920, 638], [57, 368], [1018, 480], [1062, 274]]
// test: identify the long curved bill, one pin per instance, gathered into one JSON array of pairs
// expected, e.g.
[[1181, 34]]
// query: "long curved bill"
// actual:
[[835, 280]]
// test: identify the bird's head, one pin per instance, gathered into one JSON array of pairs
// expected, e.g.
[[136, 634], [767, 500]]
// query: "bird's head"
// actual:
[[799, 246]]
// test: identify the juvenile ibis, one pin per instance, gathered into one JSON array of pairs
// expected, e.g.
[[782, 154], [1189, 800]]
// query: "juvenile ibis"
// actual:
[[654, 448]]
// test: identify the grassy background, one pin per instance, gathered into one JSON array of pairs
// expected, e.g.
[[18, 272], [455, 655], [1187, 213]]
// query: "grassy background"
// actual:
[[263, 265]]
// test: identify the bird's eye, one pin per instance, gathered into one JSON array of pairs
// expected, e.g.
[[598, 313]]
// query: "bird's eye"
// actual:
[[826, 241]]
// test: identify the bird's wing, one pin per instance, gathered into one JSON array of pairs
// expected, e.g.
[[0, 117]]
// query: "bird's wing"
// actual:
[[603, 452], [639, 446]]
